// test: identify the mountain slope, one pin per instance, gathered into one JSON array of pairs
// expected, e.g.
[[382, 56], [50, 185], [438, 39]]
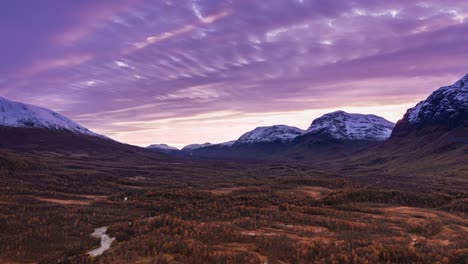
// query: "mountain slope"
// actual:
[[192, 147], [259, 144], [16, 114], [432, 137], [278, 133], [26, 129], [344, 126], [164, 148], [339, 134], [330, 136], [446, 108]]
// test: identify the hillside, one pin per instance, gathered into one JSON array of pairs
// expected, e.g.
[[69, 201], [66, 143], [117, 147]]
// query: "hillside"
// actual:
[[29, 129], [431, 138]]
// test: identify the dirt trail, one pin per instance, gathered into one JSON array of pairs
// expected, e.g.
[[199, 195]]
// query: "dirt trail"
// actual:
[[89, 199]]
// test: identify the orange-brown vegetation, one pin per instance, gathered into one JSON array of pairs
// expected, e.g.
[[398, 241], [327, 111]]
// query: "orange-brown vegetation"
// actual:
[[221, 212]]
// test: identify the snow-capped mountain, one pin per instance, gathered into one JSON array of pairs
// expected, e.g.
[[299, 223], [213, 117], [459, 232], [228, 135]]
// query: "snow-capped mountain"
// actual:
[[447, 105], [26, 128], [345, 126], [278, 133], [164, 148], [192, 147], [432, 134], [19, 115], [161, 147]]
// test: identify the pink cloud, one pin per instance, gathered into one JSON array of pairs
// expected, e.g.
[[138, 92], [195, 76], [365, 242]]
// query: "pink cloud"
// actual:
[[50, 64]]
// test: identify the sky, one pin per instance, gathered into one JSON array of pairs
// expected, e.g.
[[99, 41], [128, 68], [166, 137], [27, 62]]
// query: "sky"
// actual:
[[194, 71]]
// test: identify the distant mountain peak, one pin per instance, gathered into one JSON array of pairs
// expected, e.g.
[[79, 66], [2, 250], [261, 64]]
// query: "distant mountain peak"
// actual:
[[161, 147], [20, 115], [345, 126], [193, 147], [270, 134], [447, 105]]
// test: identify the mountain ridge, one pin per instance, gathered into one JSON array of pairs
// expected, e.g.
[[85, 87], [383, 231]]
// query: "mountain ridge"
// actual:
[[445, 107], [26, 128], [341, 125], [21, 115], [332, 134], [270, 134]]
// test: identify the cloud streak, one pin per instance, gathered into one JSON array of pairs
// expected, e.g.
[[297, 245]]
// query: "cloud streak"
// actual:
[[179, 31]]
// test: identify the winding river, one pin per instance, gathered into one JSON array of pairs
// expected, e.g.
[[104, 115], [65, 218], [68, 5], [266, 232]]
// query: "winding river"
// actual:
[[106, 241]]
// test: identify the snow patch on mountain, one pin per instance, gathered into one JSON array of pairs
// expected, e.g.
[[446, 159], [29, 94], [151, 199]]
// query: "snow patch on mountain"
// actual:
[[16, 114], [345, 126], [193, 147], [446, 104], [162, 147], [270, 134]]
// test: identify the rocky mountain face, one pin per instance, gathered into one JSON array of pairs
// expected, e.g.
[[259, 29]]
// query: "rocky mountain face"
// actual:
[[339, 134], [332, 133], [192, 147], [260, 143], [164, 148], [431, 135], [278, 133], [345, 126], [27, 128], [20, 115], [446, 107]]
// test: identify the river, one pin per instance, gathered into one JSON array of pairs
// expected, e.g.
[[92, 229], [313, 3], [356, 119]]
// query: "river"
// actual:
[[106, 241]]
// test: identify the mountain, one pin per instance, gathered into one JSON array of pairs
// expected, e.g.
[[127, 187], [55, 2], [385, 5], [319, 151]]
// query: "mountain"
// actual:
[[164, 148], [433, 132], [432, 136], [16, 114], [340, 134], [192, 147], [446, 108], [27, 128], [225, 144], [270, 134], [332, 135], [260, 143], [215, 151], [340, 125]]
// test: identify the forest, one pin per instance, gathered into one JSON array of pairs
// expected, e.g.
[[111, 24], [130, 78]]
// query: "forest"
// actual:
[[226, 212]]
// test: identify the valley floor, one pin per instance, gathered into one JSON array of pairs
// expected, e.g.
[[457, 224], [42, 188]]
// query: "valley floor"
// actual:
[[228, 212]]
